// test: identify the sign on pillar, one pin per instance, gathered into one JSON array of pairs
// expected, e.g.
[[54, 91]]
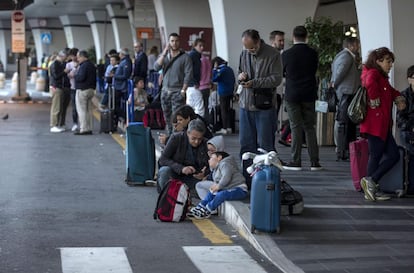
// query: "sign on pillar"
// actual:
[[19, 47]]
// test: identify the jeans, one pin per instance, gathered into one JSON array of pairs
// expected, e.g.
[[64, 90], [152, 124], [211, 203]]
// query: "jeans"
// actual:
[[213, 201], [74, 111], [256, 131], [383, 155], [302, 116], [165, 173], [203, 188]]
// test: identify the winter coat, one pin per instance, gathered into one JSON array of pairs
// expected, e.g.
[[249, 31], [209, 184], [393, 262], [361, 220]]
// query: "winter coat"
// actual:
[[378, 120]]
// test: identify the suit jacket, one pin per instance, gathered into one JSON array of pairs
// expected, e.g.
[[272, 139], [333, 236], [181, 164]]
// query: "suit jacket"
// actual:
[[300, 63], [141, 65], [345, 74]]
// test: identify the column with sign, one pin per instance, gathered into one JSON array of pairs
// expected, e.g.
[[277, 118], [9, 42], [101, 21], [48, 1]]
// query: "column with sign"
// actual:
[[19, 47]]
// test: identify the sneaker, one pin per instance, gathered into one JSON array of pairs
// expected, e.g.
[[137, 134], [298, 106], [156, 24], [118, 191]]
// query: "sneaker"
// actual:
[[316, 167], [55, 129], [74, 127], [284, 142], [379, 196], [194, 211], [63, 128], [369, 187], [229, 131], [202, 213], [291, 166], [222, 132]]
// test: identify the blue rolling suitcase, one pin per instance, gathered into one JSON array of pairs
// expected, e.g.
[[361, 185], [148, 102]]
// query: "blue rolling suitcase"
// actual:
[[140, 154], [265, 200], [395, 180]]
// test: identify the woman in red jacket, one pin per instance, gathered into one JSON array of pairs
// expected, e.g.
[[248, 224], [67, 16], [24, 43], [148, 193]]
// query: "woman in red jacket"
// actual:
[[378, 122]]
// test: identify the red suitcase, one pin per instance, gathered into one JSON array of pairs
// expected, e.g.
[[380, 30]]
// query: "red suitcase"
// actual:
[[358, 154]]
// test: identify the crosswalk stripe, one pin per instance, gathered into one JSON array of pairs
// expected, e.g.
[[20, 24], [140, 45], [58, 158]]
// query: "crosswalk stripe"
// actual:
[[94, 260], [223, 259]]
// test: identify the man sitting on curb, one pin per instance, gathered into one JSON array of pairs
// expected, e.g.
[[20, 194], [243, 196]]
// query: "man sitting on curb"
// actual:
[[185, 156]]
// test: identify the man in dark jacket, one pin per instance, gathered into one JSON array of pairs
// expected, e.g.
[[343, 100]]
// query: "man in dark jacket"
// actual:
[[121, 77], [60, 87], [85, 83], [300, 63], [185, 156], [140, 62]]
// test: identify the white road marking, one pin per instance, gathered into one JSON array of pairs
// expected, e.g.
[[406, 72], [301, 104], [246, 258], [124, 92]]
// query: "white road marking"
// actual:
[[321, 206], [94, 260], [223, 259]]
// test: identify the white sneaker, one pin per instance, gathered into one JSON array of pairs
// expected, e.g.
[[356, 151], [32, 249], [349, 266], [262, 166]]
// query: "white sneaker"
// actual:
[[229, 131], [62, 128], [222, 131], [74, 127], [55, 129]]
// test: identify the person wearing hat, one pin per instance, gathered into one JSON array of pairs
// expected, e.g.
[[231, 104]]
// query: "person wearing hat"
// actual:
[[60, 89]]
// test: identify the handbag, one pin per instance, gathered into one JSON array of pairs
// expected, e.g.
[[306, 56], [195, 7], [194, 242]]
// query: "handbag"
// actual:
[[263, 98], [329, 95], [357, 109]]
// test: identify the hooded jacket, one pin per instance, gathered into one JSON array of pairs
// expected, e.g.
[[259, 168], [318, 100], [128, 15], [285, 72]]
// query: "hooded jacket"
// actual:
[[218, 142], [227, 175]]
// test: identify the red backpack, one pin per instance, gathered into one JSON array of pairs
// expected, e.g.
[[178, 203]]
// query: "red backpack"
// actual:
[[154, 118], [173, 202]]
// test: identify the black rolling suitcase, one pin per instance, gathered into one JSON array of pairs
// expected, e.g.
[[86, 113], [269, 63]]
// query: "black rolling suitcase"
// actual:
[[109, 121], [396, 180]]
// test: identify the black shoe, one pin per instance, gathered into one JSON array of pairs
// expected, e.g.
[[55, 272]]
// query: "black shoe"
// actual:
[[316, 166], [284, 142], [83, 133], [291, 166]]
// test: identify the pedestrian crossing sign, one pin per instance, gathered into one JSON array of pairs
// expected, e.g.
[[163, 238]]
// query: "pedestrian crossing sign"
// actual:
[[46, 37]]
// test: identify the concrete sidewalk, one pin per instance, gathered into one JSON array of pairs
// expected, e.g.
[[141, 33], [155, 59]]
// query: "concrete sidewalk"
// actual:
[[337, 232]]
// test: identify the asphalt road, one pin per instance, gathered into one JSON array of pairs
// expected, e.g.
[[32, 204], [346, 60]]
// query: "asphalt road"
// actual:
[[60, 193]]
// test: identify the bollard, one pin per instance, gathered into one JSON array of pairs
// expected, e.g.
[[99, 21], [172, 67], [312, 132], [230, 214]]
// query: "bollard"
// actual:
[[33, 77], [40, 84]]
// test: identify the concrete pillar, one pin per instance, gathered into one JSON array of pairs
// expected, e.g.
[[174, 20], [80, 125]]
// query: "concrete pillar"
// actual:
[[102, 33], [189, 14], [54, 29], [146, 17], [77, 31], [130, 12], [391, 29], [120, 25], [230, 18]]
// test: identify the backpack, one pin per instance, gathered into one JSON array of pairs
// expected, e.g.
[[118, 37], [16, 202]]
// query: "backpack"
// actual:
[[173, 202], [154, 118], [291, 200]]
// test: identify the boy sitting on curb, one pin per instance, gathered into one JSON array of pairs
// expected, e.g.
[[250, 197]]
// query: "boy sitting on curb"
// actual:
[[229, 184]]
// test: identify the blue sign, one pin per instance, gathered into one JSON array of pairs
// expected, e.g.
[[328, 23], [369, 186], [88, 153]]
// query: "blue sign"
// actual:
[[46, 37]]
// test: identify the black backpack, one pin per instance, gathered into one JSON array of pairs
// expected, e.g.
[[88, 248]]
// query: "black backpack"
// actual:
[[291, 200]]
